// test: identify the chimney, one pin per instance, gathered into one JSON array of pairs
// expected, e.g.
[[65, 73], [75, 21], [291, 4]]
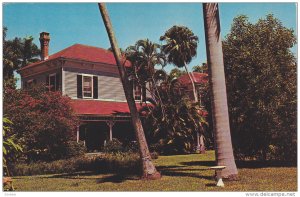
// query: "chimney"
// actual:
[[44, 40]]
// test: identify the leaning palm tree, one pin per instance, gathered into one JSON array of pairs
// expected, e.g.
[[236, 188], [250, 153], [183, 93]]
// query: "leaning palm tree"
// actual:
[[180, 48], [223, 145], [149, 170]]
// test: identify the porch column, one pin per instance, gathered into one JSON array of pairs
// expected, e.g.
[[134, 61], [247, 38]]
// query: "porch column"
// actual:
[[198, 142], [110, 124], [77, 134]]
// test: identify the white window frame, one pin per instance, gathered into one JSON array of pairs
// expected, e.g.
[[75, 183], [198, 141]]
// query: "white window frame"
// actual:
[[55, 85], [92, 88]]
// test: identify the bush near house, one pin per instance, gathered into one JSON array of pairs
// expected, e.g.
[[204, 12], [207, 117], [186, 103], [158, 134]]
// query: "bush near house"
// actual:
[[128, 163], [44, 123]]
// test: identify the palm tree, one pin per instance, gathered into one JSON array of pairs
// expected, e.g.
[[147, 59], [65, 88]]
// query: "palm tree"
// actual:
[[223, 145], [144, 56], [180, 48], [149, 170]]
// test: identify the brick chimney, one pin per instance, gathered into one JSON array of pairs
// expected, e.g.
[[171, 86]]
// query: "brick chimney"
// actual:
[[44, 40]]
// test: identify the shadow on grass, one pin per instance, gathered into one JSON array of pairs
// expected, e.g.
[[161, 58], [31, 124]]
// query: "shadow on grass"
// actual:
[[244, 164], [264, 164], [117, 178], [181, 171]]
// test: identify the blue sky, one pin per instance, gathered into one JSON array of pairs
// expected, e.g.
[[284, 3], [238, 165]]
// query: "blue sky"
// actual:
[[70, 23]]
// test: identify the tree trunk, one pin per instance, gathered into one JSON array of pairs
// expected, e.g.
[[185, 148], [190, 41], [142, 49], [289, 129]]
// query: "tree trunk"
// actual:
[[149, 170], [193, 83], [223, 145]]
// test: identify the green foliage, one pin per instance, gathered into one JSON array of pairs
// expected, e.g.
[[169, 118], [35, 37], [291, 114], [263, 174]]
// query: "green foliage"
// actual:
[[261, 84], [44, 122], [181, 45], [201, 68], [175, 73], [74, 148], [10, 148], [174, 122], [113, 146], [109, 162], [17, 53]]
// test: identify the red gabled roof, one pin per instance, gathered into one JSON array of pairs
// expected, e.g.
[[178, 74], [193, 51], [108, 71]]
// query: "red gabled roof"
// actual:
[[197, 78], [104, 108], [84, 53]]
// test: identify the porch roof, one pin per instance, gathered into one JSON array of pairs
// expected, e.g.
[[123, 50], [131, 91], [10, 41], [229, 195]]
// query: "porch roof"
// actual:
[[102, 108]]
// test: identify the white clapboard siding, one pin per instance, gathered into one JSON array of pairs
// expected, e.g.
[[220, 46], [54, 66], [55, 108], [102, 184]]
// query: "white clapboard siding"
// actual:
[[71, 84], [109, 87]]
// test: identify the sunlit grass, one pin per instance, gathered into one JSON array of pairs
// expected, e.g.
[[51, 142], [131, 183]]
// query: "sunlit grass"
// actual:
[[179, 173]]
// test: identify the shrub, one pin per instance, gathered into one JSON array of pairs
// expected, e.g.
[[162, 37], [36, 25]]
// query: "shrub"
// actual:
[[128, 163], [43, 121], [113, 146], [74, 148], [132, 146]]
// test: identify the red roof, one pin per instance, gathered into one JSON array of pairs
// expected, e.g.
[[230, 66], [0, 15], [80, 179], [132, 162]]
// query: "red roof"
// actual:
[[85, 53], [94, 107], [197, 78]]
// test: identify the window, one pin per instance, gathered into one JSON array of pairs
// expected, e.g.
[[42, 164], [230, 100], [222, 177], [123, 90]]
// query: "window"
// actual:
[[52, 82], [87, 86], [137, 92]]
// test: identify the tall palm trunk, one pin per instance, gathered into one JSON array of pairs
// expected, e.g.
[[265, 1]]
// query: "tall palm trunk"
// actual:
[[223, 145], [193, 83], [200, 136], [149, 170]]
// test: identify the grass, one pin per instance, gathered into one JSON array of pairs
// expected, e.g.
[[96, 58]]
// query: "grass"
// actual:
[[179, 173]]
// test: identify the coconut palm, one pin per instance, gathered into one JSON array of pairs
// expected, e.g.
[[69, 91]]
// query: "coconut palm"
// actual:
[[149, 170], [223, 145], [180, 48]]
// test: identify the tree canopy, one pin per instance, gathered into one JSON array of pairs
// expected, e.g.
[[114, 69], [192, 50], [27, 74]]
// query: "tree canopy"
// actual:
[[261, 82], [18, 53]]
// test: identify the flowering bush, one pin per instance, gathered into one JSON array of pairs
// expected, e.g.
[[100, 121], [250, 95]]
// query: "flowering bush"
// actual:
[[43, 121]]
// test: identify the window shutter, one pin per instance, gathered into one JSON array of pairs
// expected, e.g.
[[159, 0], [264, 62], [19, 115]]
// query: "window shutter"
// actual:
[[57, 83], [95, 87], [79, 86]]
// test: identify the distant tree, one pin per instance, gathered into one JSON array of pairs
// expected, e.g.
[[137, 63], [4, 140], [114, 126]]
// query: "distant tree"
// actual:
[[201, 68], [43, 122], [17, 53], [262, 88], [144, 56], [180, 48], [174, 129], [175, 73]]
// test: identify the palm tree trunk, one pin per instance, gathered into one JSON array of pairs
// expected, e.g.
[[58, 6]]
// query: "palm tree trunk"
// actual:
[[223, 145], [193, 83], [149, 170]]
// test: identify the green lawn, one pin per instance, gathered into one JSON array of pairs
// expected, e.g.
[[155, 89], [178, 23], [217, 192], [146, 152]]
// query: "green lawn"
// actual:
[[179, 173]]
